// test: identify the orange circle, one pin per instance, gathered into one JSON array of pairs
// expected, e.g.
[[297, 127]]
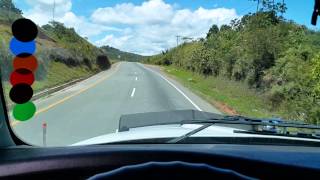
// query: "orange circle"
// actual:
[[29, 63]]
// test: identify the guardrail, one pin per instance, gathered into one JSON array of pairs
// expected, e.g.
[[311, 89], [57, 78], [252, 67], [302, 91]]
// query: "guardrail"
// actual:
[[51, 90], [48, 91]]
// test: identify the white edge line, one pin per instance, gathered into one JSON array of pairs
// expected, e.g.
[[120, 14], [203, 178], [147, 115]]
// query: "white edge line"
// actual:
[[194, 104], [133, 91]]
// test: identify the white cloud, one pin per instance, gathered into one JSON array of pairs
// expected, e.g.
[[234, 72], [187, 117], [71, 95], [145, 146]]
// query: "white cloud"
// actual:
[[42, 13], [147, 28], [154, 24], [150, 12], [42, 10], [83, 26], [113, 40]]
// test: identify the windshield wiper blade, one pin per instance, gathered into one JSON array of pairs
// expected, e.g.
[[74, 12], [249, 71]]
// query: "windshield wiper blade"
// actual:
[[297, 135], [208, 123], [175, 140], [248, 121], [241, 121]]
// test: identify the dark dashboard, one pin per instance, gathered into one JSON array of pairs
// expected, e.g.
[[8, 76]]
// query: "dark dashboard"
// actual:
[[263, 162]]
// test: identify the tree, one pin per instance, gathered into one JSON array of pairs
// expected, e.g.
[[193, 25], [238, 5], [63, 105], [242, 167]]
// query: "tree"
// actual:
[[225, 27], [8, 12], [271, 5], [316, 75], [7, 5], [213, 30]]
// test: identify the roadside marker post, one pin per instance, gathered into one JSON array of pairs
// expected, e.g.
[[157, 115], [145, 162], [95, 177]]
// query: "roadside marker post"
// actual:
[[44, 133]]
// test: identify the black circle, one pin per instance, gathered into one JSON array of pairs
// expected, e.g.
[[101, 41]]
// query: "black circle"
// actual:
[[21, 93], [24, 55], [23, 71], [24, 30]]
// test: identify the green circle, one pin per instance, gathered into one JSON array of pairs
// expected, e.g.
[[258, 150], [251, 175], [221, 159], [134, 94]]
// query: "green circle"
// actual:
[[23, 112]]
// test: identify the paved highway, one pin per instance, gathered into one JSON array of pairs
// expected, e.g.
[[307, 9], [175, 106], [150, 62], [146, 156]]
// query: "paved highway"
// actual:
[[93, 107]]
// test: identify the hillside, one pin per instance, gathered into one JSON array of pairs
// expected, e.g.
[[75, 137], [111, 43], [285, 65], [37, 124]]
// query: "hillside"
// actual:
[[62, 54], [118, 55], [263, 54]]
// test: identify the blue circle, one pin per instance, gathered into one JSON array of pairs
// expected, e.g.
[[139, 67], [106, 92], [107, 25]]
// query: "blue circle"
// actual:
[[18, 47]]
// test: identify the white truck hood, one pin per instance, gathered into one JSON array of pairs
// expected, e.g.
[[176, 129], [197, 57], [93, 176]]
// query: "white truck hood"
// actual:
[[171, 131]]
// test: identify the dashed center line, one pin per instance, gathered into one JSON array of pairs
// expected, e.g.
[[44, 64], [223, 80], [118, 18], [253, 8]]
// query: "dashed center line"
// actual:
[[133, 91], [136, 78]]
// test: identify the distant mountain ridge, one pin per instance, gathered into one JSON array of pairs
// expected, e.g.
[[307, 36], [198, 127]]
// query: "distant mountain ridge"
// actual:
[[118, 55]]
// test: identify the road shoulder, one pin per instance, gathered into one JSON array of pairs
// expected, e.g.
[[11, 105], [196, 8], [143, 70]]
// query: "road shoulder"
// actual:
[[203, 104]]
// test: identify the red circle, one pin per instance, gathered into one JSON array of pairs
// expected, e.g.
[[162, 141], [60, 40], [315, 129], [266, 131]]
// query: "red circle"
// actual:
[[29, 62], [21, 76]]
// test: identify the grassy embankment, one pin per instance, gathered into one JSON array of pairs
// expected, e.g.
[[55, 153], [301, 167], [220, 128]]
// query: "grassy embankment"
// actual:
[[56, 72], [230, 97], [54, 55]]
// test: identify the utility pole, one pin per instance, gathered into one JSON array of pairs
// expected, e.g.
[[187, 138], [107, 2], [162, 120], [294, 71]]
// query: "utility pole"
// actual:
[[53, 10], [282, 7], [178, 37], [273, 9]]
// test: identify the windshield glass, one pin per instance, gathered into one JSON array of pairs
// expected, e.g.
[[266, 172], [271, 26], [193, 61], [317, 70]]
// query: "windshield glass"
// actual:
[[107, 71]]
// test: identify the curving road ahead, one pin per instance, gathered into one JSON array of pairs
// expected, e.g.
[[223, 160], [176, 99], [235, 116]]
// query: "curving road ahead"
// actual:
[[93, 107]]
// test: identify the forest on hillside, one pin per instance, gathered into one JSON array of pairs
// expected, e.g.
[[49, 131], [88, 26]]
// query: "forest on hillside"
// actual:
[[275, 57], [118, 55]]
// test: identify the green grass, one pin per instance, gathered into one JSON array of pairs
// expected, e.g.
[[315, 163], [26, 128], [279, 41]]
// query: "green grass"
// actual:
[[112, 61], [217, 90], [58, 74]]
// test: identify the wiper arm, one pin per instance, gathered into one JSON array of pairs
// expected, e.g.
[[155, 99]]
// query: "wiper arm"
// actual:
[[207, 123], [178, 139], [241, 121]]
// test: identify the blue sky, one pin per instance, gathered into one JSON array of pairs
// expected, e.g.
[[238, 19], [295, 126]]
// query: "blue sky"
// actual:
[[147, 27]]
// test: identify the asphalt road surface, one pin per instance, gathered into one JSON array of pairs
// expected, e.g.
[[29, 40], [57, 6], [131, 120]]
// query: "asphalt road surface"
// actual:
[[93, 107]]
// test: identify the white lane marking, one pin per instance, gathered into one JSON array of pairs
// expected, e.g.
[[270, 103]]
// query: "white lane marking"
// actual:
[[194, 104], [133, 91], [136, 78]]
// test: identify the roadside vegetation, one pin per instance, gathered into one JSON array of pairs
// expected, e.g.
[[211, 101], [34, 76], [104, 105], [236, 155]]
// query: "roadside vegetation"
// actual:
[[230, 97], [260, 65]]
